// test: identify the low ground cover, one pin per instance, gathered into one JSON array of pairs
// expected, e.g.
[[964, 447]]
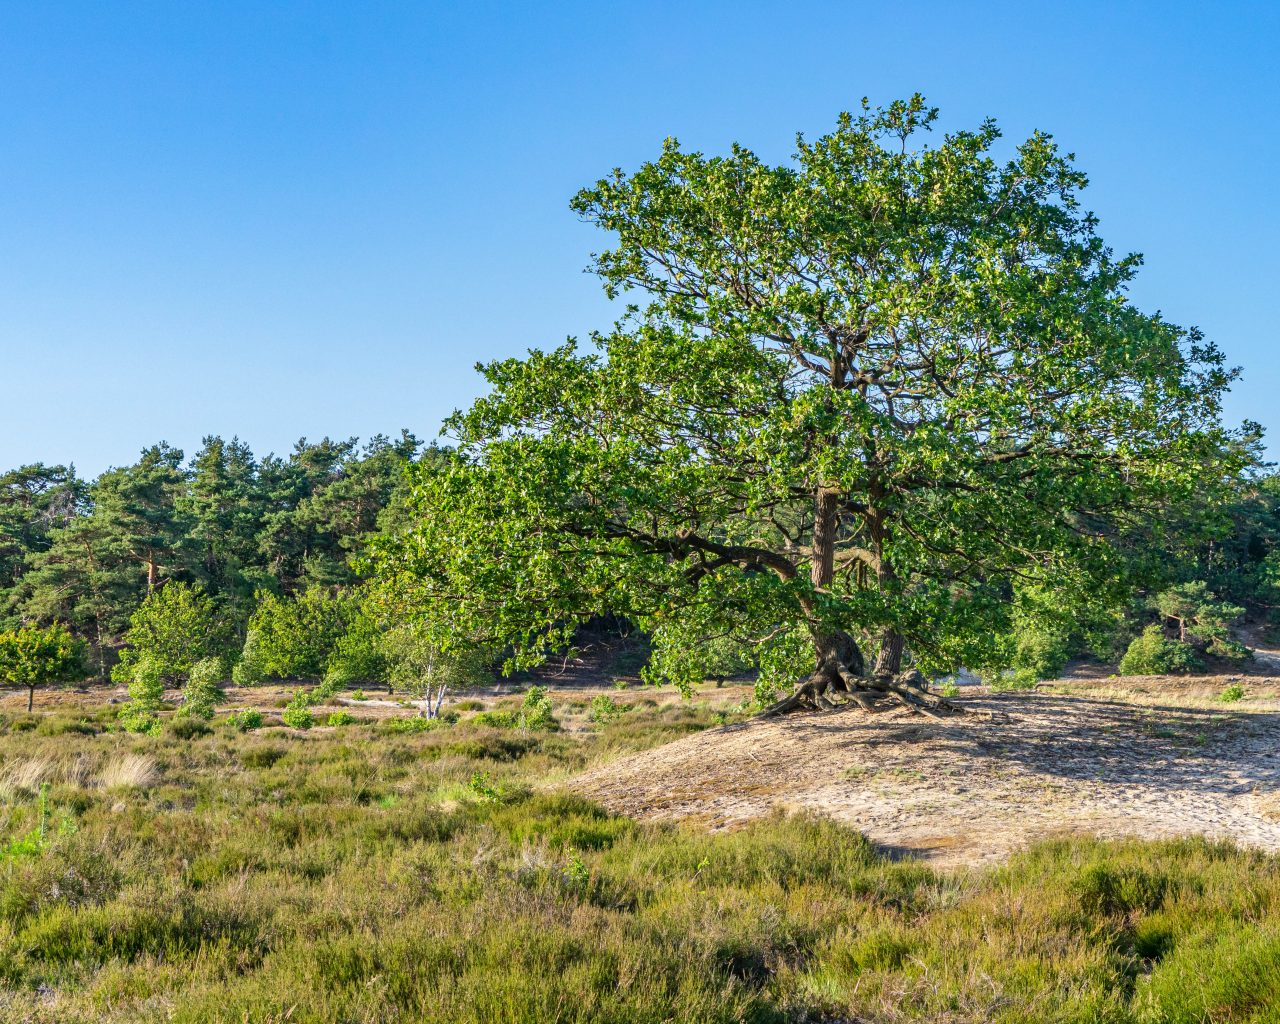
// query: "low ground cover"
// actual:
[[359, 873]]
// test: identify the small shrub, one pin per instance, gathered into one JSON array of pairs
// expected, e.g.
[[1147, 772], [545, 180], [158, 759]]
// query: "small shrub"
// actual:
[[1154, 654], [482, 788], [416, 724], [1019, 679], [341, 718], [189, 727], [135, 720], [358, 695], [323, 690], [297, 713], [1232, 693], [535, 710], [604, 709], [246, 720], [498, 719], [949, 688], [146, 696]]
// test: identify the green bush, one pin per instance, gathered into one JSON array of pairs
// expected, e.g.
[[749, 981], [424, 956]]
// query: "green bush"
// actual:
[[297, 713], [245, 720], [341, 718], [1232, 693], [295, 637], [249, 671], [1154, 654], [535, 710], [146, 697], [1012, 680], [604, 709], [189, 727], [497, 719], [416, 724], [323, 690], [204, 689]]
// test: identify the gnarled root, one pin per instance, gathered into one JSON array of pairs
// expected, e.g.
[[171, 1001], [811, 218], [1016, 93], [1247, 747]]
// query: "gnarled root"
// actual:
[[906, 688]]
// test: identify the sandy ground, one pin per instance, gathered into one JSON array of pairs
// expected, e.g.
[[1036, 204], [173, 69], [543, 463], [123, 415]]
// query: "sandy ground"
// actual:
[[1142, 757]]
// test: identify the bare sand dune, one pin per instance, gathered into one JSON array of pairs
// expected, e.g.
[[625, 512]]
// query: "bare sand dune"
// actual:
[[975, 787]]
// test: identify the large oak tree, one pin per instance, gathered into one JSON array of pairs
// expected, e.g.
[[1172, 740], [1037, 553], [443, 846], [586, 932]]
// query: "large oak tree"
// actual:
[[853, 399]]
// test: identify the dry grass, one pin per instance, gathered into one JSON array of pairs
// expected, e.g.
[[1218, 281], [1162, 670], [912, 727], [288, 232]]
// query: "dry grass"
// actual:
[[25, 775], [130, 771]]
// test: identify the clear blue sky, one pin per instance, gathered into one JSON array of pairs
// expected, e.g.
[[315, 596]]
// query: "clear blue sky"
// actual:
[[286, 219]]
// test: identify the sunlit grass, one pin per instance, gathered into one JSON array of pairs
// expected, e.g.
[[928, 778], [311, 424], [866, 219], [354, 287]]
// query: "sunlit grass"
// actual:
[[353, 875]]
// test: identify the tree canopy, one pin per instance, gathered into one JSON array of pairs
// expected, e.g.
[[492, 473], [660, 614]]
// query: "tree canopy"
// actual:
[[854, 399]]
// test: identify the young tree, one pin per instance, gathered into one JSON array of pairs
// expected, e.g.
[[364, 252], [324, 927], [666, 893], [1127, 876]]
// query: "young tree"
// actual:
[[414, 665], [173, 629], [863, 391], [31, 656], [295, 637]]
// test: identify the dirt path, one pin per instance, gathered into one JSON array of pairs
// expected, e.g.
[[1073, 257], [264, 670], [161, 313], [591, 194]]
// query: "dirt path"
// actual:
[[975, 787]]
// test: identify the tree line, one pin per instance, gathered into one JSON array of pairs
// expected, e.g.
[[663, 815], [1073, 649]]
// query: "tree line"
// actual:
[[235, 534]]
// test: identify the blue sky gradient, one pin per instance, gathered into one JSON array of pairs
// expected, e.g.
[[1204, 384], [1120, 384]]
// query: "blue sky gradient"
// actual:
[[287, 219]]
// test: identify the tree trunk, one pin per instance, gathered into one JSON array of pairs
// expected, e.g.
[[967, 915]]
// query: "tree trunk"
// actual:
[[889, 660], [836, 651], [826, 521], [838, 661], [31, 696]]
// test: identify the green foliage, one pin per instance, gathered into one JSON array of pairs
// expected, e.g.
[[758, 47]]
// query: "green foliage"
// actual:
[[1232, 693], [295, 637], [174, 628], [950, 688], [497, 719], [245, 720], [482, 788], [604, 709], [928, 349], [31, 656], [297, 713], [146, 697], [204, 689], [415, 724], [1012, 680], [1200, 619], [415, 665], [323, 690], [1152, 653], [248, 670], [341, 718], [536, 710]]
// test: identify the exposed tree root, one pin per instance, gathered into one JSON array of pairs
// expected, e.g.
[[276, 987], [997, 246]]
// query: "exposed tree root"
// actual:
[[906, 688]]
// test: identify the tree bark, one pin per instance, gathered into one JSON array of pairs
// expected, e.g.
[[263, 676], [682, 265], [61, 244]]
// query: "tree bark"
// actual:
[[31, 696], [889, 660]]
